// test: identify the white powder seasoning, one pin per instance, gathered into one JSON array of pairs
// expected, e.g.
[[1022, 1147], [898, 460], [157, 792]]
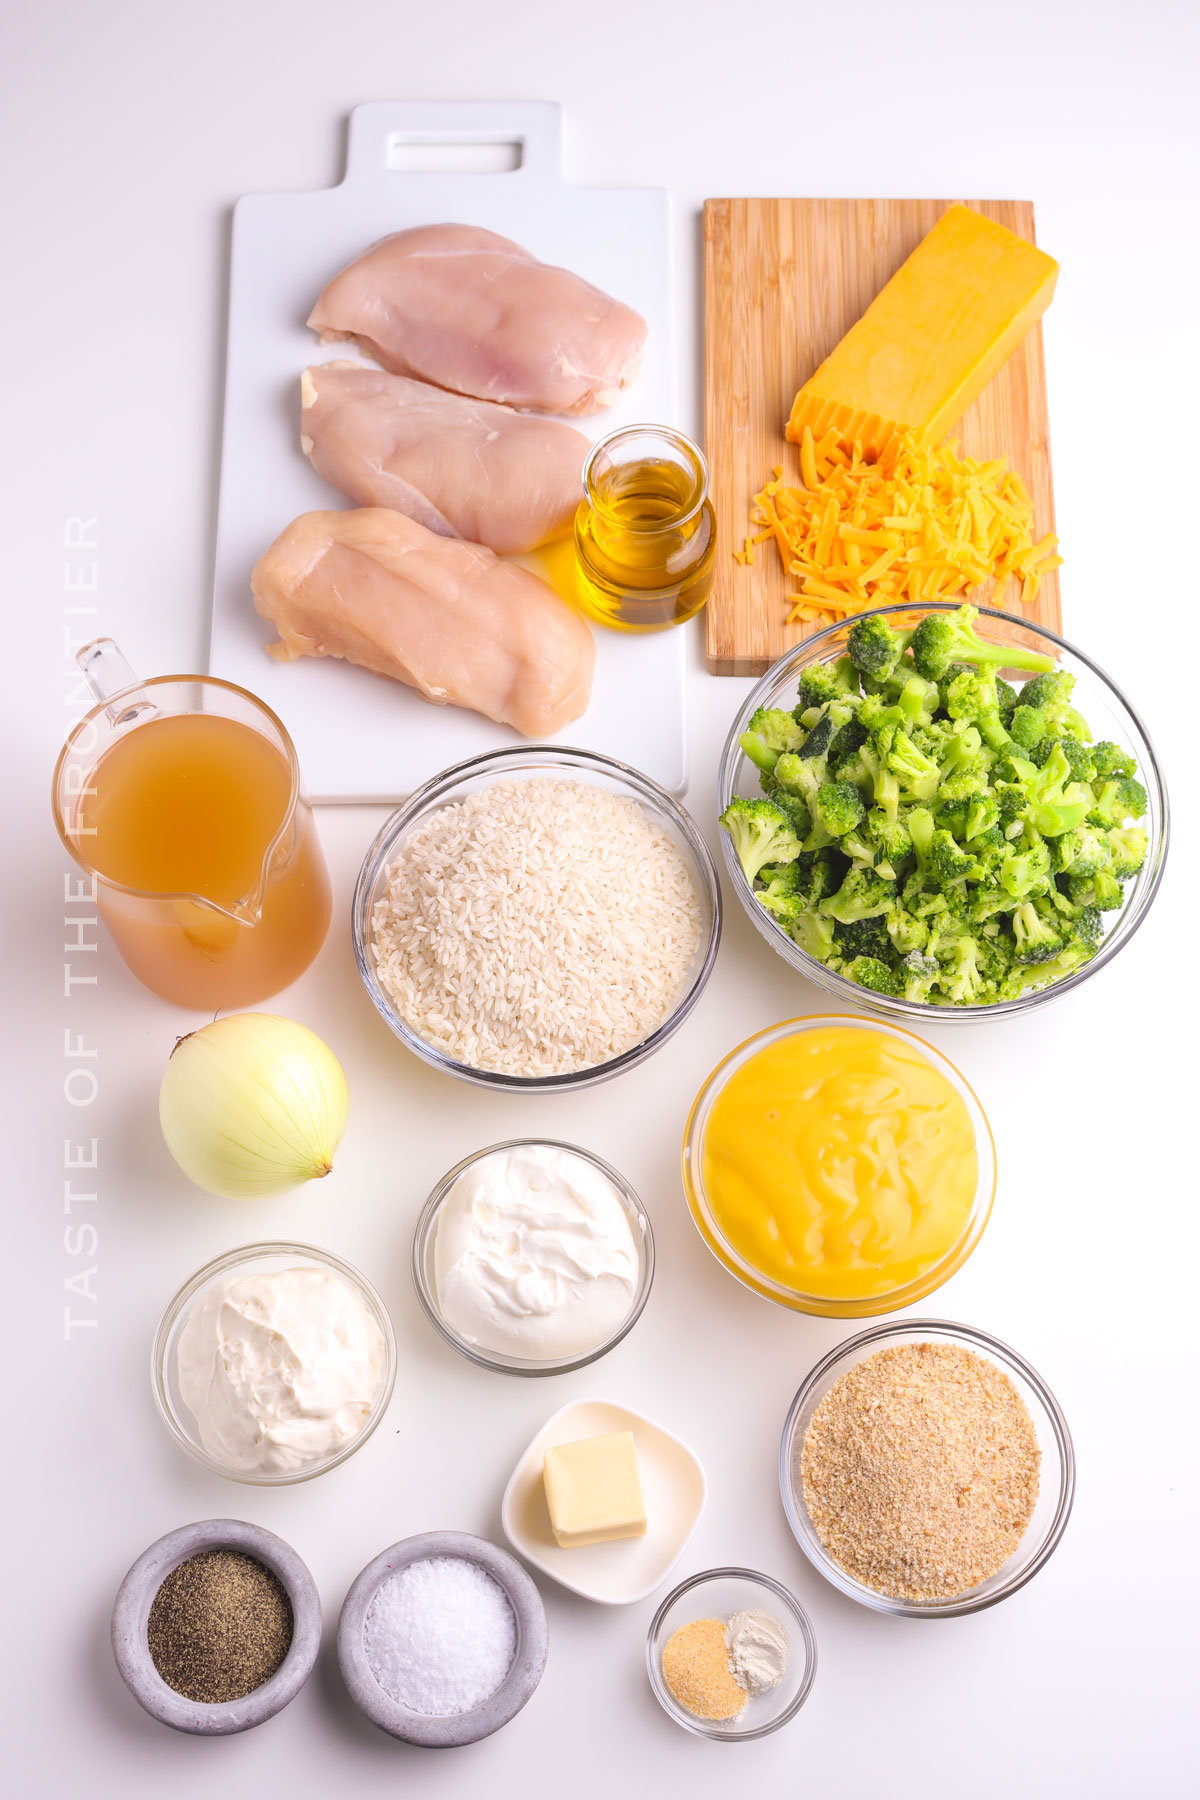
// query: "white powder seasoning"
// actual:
[[440, 1636]]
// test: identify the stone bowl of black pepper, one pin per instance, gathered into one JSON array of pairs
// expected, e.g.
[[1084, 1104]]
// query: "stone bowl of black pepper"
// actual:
[[216, 1627]]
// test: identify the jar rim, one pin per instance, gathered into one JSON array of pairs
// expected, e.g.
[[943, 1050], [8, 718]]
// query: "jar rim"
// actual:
[[688, 451]]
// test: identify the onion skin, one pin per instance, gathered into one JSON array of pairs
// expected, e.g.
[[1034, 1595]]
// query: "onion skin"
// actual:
[[253, 1105]]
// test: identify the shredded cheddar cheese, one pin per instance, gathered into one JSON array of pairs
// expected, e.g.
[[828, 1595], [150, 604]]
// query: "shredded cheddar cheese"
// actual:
[[915, 525]]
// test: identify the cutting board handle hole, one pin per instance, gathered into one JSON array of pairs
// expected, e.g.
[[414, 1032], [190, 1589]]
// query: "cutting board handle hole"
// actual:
[[424, 153]]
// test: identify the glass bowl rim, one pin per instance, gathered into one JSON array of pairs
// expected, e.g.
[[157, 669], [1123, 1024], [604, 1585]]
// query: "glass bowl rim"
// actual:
[[643, 1235], [888, 1006], [820, 1306], [993, 1349], [708, 1728], [441, 788], [231, 1259]]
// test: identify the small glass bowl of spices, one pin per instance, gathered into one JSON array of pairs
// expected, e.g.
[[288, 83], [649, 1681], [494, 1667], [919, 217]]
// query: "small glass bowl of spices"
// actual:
[[926, 1470], [731, 1654], [216, 1627], [645, 531]]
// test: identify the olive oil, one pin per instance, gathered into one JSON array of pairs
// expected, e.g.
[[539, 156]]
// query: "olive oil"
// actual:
[[645, 536]]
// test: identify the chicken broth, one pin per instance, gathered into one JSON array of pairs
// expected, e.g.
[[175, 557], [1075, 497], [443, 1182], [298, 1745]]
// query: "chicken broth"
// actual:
[[183, 810]]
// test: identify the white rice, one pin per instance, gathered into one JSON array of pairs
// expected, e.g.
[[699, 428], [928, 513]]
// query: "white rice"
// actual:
[[537, 927]]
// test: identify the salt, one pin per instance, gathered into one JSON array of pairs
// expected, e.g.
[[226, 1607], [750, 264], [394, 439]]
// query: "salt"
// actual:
[[440, 1636]]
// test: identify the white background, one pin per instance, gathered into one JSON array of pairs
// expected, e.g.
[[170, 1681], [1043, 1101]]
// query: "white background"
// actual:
[[128, 131]]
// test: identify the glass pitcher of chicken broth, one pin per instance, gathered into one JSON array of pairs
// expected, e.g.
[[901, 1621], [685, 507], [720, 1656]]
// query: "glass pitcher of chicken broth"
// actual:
[[180, 797]]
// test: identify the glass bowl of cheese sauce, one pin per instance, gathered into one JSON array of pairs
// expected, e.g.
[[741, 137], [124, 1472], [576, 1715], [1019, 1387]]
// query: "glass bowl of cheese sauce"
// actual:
[[839, 1166]]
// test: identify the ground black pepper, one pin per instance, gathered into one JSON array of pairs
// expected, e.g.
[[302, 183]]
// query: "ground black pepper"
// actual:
[[219, 1626]]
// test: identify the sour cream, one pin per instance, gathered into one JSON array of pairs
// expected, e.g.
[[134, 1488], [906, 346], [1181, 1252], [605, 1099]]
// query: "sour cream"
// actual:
[[535, 1256], [279, 1369]]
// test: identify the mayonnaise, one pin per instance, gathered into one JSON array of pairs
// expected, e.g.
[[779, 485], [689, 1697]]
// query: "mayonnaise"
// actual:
[[535, 1256], [280, 1369]]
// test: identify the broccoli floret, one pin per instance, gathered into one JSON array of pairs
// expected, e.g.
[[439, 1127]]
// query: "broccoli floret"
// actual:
[[962, 980], [785, 878], [995, 955], [916, 772], [845, 743], [786, 909], [1116, 801], [870, 973], [1024, 869], [1036, 938], [906, 931], [989, 901], [1079, 756], [862, 895], [814, 933], [873, 647], [753, 747], [817, 741], [947, 861], [1081, 851], [1006, 697], [917, 974], [792, 805], [890, 837], [1112, 762], [1049, 694], [917, 699], [839, 808], [1028, 727], [1056, 802], [776, 730], [864, 937], [826, 681], [967, 783], [1087, 924], [761, 834], [795, 776], [1102, 890], [1128, 847], [943, 638]]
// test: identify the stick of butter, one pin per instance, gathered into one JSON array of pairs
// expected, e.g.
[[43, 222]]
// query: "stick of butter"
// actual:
[[593, 1491]]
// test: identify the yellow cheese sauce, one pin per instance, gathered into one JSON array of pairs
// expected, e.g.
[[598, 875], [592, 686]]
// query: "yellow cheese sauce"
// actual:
[[840, 1163]]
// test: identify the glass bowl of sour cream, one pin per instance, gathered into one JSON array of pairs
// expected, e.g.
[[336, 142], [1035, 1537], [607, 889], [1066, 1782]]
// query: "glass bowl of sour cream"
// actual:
[[533, 1257], [274, 1363]]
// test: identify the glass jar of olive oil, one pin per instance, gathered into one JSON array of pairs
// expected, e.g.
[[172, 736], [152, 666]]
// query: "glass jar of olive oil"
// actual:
[[646, 534]]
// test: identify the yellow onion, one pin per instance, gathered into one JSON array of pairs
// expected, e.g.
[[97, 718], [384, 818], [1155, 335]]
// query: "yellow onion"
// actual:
[[253, 1104]]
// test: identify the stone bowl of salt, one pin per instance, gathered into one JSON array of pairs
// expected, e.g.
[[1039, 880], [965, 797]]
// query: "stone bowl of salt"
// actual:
[[442, 1639]]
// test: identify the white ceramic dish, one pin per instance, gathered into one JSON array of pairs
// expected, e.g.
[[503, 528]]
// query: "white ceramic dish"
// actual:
[[673, 1485]]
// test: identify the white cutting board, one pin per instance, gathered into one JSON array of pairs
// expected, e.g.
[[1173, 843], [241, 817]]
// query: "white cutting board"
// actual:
[[359, 736]]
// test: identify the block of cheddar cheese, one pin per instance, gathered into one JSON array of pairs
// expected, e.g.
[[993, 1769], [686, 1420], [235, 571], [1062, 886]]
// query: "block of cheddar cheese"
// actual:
[[931, 339]]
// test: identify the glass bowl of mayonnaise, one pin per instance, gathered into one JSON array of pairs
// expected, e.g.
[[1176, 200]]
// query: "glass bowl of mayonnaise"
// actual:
[[533, 1257], [274, 1363]]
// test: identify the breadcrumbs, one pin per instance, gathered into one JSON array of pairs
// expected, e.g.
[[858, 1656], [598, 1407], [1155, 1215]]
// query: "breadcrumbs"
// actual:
[[695, 1667], [920, 1471]]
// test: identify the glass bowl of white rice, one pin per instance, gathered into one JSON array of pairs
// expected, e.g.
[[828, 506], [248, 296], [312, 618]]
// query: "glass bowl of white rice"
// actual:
[[537, 918]]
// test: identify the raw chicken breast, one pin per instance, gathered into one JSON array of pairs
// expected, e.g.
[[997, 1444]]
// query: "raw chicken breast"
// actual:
[[464, 468], [447, 618], [473, 312]]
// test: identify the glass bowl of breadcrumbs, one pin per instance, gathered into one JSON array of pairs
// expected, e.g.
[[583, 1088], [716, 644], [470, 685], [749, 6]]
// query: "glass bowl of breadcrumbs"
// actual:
[[926, 1469]]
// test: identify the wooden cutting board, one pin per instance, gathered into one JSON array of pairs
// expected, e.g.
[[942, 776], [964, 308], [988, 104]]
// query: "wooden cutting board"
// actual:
[[783, 281]]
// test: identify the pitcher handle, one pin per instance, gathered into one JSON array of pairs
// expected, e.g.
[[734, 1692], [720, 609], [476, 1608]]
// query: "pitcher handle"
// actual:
[[112, 681]]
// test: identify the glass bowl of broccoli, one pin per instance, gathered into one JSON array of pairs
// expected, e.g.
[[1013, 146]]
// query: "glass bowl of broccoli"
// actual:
[[942, 807]]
